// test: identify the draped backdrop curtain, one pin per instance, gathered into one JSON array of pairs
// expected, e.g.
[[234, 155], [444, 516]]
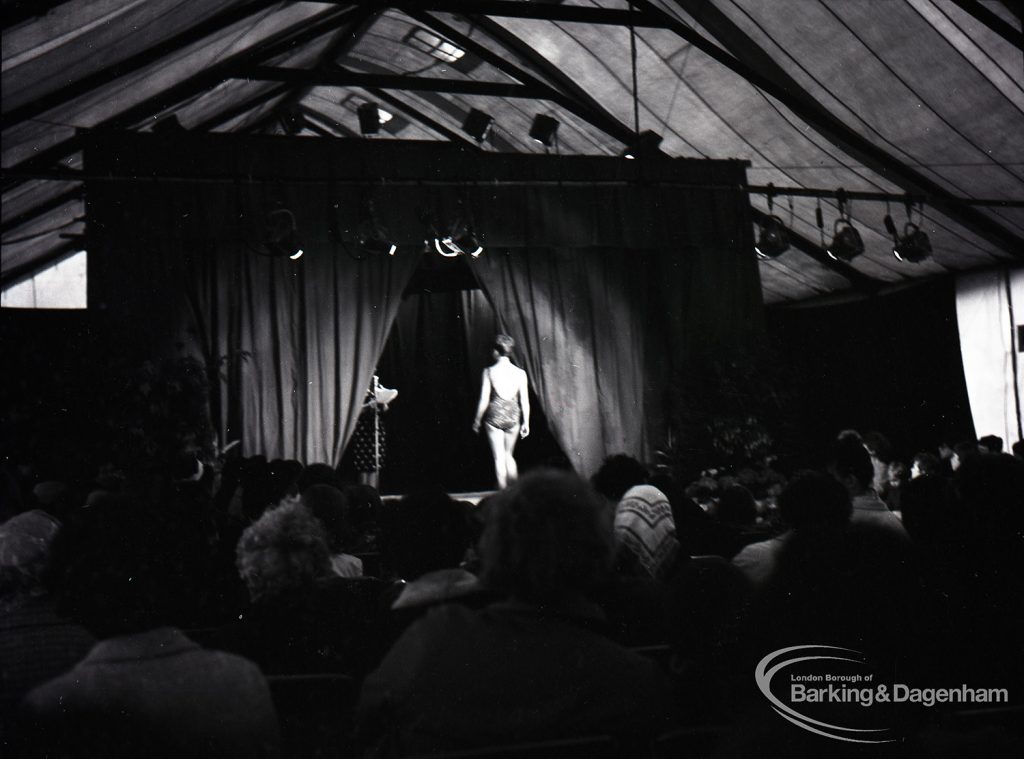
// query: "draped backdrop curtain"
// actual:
[[611, 283], [290, 345]]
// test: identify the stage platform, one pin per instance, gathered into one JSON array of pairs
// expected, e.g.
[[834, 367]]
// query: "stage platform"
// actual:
[[473, 498]]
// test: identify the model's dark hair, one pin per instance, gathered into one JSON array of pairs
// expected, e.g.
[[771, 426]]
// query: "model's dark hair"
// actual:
[[504, 344]]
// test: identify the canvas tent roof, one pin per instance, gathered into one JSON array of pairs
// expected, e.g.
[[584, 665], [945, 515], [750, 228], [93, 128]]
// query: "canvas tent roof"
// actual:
[[889, 96]]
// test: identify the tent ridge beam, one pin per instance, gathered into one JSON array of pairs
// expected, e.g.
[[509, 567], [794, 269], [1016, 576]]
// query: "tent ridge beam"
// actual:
[[538, 11], [338, 77]]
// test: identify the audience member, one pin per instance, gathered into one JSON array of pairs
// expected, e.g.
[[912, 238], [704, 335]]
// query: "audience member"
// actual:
[[302, 617], [812, 501], [533, 666], [36, 643], [852, 466], [646, 533], [144, 689], [328, 504], [990, 444], [926, 465], [618, 474]]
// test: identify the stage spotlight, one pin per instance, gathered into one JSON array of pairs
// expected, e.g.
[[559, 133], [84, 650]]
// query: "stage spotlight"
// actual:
[[168, 125], [369, 118], [773, 239], [477, 125], [544, 129], [913, 246], [281, 238], [373, 239], [647, 144], [846, 243], [293, 121]]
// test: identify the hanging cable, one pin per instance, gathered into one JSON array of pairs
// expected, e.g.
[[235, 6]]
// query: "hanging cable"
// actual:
[[632, 58]]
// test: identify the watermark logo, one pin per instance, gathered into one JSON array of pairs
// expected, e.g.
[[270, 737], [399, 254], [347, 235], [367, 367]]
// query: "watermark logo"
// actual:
[[832, 691]]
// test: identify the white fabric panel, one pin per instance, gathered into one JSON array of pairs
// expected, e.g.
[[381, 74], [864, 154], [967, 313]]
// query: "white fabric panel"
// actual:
[[985, 305]]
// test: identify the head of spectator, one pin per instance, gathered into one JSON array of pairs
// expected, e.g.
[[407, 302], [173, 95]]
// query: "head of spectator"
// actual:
[[897, 473], [364, 512], [548, 539], [328, 504], [26, 543], [962, 451], [990, 444], [645, 531], [927, 508], [284, 479], [737, 507], [318, 474], [119, 569], [814, 500], [283, 551], [925, 465], [425, 532], [852, 466], [618, 474]]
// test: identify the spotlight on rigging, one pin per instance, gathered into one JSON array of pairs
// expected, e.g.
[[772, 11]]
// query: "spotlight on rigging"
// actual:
[[647, 144], [281, 239], [293, 120], [913, 246], [369, 118], [373, 239], [846, 242], [477, 125], [544, 129], [773, 240]]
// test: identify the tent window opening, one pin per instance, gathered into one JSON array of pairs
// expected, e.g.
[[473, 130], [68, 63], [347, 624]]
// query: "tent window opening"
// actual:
[[62, 286], [431, 44]]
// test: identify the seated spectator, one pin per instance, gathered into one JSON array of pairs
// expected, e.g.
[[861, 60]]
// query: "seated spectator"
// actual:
[[852, 466], [531, 667], [328, 505], [990, 444], [926, 465], [364, 509], [302, 618], [1018, 450], [812, 501], [736, 511], [317, 474], [962, 451], [426, 536], [645, 532], [144, 689], [36, 643], [618, 474]]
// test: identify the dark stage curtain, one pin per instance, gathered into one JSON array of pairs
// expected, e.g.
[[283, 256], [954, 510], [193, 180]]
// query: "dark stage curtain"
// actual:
[[290, 345], [611, 289], [605, 332]]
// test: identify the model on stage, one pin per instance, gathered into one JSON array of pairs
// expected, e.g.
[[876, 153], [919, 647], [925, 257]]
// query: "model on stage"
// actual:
[[504, 409]]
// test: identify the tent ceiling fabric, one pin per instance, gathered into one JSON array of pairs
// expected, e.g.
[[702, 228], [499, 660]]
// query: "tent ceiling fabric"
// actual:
[[875, 95]]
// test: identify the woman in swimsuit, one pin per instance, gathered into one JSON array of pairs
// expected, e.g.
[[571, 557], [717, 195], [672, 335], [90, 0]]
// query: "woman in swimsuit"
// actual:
[[504, 409]]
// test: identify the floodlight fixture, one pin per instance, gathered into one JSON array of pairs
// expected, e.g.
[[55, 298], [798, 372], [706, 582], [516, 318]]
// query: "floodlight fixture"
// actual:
[[544, 130], [477, 124]]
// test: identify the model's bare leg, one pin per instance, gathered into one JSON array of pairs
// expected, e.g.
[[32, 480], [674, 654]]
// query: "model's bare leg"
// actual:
[[511, 436], [496, 438]]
